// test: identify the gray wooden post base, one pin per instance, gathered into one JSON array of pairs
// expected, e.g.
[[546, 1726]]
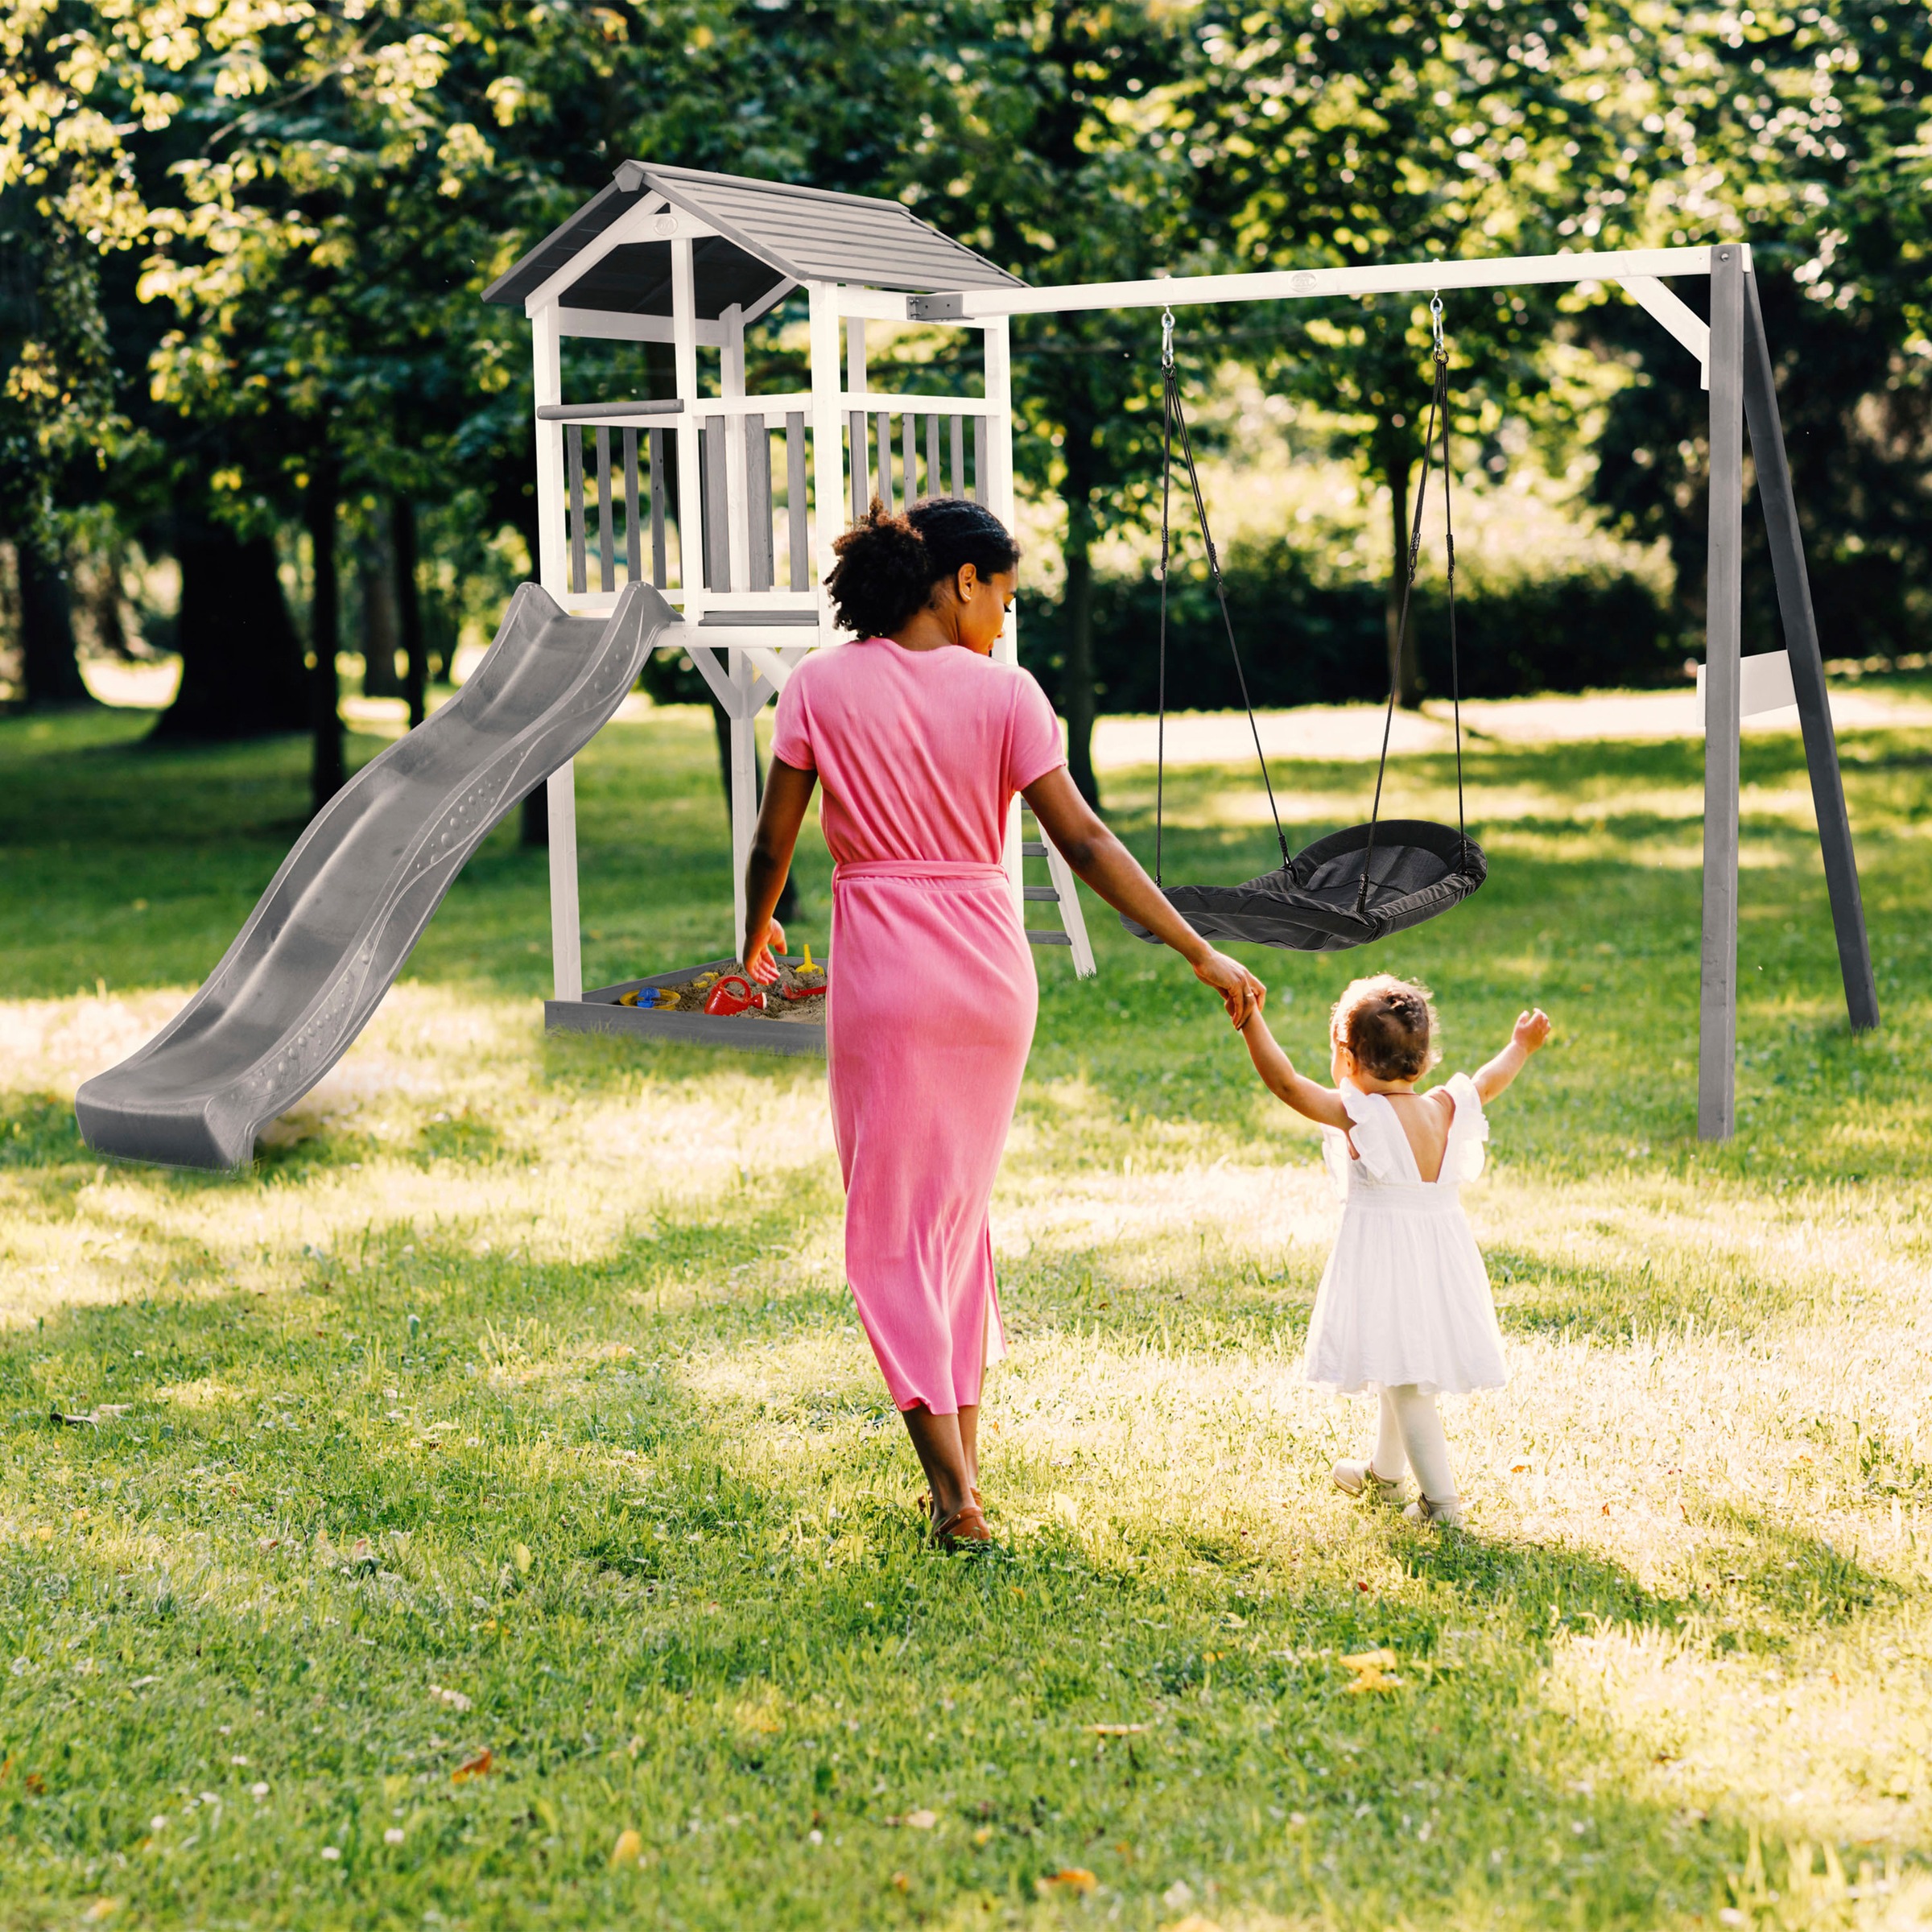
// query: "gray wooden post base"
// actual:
[[1717, 990], [1742, 390]]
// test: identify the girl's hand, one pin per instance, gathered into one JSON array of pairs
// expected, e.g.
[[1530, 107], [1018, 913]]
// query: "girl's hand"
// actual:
[[1532, 1030], [757, 952], [1241, 993]]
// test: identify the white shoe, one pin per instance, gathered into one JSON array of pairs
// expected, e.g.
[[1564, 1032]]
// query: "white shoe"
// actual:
[[1447, 1512], [1354, 1479]]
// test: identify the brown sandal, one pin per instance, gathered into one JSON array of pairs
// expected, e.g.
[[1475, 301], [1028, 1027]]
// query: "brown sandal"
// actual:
[[965, 1525]]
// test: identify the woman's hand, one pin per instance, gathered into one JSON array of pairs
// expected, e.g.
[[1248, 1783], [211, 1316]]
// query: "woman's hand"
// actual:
[[787, 792], [1241, 993], [758, 944]]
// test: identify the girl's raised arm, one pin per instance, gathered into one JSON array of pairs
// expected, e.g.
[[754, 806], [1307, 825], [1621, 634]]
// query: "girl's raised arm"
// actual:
[[1320, 1104], [1532, 1030]]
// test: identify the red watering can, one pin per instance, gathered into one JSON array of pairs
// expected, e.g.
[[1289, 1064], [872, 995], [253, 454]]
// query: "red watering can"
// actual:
[[733, 994]]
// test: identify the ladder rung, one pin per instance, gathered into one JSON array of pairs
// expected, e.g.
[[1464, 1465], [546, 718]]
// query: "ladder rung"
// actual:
[[1048, 939], [1040, 892], [1032, 848]]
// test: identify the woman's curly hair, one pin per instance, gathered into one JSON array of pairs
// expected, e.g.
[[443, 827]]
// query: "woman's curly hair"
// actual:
[[887, 564], [1389, 1025]]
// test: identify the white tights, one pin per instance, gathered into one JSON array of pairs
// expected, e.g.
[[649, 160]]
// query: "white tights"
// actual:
[[1409, 1436]]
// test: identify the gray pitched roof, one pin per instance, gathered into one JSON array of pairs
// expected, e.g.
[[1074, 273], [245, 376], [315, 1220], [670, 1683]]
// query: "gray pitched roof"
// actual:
[[768, 232]]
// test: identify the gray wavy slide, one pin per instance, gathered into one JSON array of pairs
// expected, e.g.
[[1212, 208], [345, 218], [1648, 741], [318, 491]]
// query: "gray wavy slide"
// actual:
[[332, 931]]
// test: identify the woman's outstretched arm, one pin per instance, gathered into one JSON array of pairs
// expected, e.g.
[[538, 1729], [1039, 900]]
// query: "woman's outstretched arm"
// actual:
[[1113, 872], [787, 792]]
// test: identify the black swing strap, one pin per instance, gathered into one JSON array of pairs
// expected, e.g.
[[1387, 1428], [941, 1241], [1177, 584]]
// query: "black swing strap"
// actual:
[[1174, 418], [1439, 413]]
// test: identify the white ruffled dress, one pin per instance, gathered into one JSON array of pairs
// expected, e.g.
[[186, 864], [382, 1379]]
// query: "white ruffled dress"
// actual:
[[1405, 1298]]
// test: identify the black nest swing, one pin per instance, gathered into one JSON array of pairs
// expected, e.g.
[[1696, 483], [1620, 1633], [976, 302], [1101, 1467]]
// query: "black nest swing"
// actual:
[[1369, 881]]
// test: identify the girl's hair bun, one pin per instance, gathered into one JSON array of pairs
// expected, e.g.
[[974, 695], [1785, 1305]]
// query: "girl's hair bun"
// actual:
[[887, 564], [1389, 1025]]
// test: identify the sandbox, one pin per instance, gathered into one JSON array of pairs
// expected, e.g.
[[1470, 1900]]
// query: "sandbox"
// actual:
[[782, 1026]]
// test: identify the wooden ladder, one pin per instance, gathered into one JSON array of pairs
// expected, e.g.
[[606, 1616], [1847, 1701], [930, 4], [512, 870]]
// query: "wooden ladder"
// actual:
[[1062, 892]]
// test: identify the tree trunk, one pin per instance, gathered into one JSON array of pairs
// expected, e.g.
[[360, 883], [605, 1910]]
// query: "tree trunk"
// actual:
[[241, 674], [533, 824], [326, 769], [787, 908], [1076, 681], [50, 671], [1406, 675], [101, 598], [376, 584], [409, 607]]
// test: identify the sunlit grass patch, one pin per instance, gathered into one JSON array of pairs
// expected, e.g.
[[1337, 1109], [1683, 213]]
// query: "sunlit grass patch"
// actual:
[[514, 1405]]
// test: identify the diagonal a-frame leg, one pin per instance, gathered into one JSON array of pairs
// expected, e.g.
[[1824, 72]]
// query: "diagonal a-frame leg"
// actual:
[[1807, 665]]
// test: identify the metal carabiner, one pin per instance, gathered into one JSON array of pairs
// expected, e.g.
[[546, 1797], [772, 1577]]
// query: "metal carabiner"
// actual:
[[1167, 338], [1435, 317]]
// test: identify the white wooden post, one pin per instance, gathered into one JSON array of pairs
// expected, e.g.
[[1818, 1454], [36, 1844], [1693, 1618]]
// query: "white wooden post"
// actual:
[[827, 441], [738, 490], [997, 494], [744, 789], [551, 564], [546, 351], [856, 381], [690, 495]]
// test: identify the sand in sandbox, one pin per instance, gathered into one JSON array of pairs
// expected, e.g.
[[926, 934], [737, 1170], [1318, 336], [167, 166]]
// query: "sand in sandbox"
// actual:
[[777, 1008]]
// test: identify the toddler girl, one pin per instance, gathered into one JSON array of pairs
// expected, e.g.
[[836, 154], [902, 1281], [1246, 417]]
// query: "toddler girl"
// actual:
[[1404, 1305]]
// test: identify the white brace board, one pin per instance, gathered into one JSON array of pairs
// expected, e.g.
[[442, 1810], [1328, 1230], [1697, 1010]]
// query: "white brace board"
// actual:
[[1763, 684]]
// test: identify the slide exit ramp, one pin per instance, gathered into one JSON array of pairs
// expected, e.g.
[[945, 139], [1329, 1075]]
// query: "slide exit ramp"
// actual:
[[337, 921]]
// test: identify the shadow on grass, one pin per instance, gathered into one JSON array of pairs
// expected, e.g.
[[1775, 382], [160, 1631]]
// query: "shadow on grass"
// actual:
[[1792, 1579], [653, 1619], [1546, 1588]]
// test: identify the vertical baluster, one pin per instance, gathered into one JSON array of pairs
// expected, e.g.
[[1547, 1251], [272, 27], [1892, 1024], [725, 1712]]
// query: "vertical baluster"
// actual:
[[979, 491], [861, 481], [633, 537], [794, 500], [958, 456], [935, 484], [607, 563], [573, 471], [717, 527], [757, 503], [885, 460], [909, 433], [660, 574]]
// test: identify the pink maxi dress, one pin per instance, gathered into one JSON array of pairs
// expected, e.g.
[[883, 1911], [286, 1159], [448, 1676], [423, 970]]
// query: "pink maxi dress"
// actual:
[[933, 997]]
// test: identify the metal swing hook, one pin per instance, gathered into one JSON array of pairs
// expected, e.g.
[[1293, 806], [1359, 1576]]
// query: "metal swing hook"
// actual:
[[1435, 318], [1167, 338]]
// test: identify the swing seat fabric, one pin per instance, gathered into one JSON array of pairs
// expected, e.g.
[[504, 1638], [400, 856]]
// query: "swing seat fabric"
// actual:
[[1316, 903]]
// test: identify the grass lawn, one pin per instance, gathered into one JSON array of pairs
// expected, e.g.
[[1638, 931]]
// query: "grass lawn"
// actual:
[[496, 1519]]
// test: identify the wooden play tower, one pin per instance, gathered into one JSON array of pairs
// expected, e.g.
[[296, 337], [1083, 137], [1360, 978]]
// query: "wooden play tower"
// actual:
[[728, 501]]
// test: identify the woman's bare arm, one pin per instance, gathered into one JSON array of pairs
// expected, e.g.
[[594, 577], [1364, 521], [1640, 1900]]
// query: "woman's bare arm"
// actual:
[[1112, 871], [787, 792], [1531, 1031], [1319, 1104]]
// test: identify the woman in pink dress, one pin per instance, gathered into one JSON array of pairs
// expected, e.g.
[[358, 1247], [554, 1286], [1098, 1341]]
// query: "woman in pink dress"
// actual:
[[921, 741]]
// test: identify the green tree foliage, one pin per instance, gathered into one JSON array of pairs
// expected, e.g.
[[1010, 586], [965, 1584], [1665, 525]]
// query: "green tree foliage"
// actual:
[[1801, 131], [78, 85], [315, 197]]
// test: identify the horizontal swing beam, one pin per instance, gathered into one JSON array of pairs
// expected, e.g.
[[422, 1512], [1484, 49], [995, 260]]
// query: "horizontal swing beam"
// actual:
[[1302, 284]]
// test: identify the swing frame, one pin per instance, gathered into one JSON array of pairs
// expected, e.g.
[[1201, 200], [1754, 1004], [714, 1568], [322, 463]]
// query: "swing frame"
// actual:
[[1735, 360]]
